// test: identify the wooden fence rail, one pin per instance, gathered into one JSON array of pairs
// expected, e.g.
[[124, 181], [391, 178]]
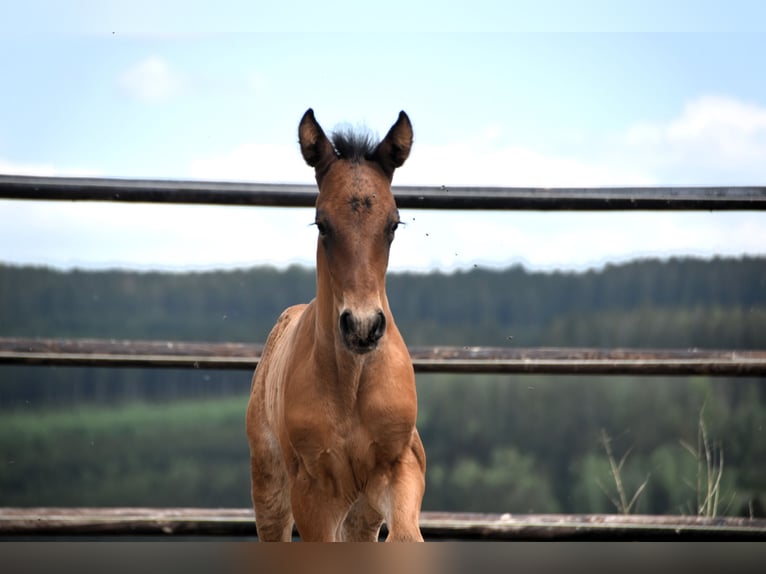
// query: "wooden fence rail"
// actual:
[[239, 356], [238, 522], [408, 197]]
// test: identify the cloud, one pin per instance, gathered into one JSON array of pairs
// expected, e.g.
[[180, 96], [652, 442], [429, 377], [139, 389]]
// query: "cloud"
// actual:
[[475, 161], [254, 162], [711, 140], [44, 170], [467, 164], [569, 240], [714, 140], [150, 81], [152, 236]]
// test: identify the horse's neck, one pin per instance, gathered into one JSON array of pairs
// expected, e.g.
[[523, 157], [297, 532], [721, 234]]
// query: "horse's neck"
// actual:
[[347, 367]]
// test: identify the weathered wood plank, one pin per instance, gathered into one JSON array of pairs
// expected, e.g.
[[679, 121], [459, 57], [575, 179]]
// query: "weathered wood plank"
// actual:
[[584, 361], [418, 197], [234, 522], [242, 356], [129, 353]]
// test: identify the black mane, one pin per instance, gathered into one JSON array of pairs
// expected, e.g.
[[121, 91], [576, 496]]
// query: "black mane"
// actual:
[[355, 146]]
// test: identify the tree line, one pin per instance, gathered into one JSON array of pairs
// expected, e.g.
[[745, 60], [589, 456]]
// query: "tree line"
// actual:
[[466, 307]]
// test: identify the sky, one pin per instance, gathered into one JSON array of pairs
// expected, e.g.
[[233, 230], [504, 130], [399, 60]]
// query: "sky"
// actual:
[[538, 94]]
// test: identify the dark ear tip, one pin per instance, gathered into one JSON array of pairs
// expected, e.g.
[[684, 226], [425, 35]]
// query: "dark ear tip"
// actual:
[[308, 115], [404, 122]]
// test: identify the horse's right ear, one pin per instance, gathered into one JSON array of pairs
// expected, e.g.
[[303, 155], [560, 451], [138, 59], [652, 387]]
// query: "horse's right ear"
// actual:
[[394, 150], [316, 148]]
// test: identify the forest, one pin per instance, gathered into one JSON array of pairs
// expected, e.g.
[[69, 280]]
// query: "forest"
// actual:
[[133, 437]]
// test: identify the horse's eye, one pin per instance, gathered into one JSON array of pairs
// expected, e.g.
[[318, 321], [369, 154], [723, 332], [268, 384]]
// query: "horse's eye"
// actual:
[[322, 227], [394, 226]]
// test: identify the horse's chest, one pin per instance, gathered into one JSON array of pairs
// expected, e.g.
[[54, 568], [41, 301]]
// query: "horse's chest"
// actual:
[[353, 444]]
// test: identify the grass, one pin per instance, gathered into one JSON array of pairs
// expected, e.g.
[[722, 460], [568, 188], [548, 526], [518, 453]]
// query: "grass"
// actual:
[[194, 453], [135, 415], [191, 453], [620, 502], [710, 461]]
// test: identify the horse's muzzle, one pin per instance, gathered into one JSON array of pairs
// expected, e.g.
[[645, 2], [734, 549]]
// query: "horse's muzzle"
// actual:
[[361, 333]]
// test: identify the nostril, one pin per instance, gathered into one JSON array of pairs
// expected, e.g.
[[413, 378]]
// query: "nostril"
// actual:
[[361, 335], [345, 322], [379, 326]]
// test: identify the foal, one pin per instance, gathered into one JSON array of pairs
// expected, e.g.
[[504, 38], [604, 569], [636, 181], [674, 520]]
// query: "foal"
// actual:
[[331, 418]]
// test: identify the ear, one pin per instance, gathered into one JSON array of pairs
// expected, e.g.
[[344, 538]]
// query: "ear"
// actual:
[[315, 147], [395, 147]]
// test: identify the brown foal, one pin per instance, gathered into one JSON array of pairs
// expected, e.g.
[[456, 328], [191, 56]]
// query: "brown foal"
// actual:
[[331, 418]]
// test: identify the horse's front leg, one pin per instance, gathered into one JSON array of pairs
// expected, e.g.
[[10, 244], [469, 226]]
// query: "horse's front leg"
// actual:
[[401, 494], [319, 506], [363, 522]]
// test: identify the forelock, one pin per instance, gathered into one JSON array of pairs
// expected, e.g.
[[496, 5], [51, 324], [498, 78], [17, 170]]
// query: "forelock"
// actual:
[[354, 145]]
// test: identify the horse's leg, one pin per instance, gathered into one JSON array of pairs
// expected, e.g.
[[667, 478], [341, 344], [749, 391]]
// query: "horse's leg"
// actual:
[[318, 515], [270, 487], [270, 491], [319, 503], [362, 524], [399, 496]]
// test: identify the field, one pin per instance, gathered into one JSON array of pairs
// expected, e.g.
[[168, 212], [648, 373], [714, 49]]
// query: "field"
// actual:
[[495, 444], [139, 454]]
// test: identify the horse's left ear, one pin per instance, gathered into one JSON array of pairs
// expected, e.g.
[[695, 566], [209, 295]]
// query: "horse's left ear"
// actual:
[[395, 147], [315, 146]]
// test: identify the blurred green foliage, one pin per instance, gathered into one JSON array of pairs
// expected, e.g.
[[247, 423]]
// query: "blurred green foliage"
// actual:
[[136, 437]]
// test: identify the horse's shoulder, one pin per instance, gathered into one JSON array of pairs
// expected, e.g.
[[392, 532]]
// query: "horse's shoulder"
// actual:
[[284, 321], [277, 334], [289, 314]]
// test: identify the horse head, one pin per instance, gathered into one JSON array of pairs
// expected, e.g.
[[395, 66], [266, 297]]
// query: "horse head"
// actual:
[[356, 217]]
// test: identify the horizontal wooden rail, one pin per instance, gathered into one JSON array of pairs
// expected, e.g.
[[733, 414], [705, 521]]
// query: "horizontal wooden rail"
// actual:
[[239, 356], [100, 522], [423, 197]]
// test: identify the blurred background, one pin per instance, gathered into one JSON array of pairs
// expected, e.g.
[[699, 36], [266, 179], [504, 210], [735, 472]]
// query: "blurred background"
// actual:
[[504, 94]]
